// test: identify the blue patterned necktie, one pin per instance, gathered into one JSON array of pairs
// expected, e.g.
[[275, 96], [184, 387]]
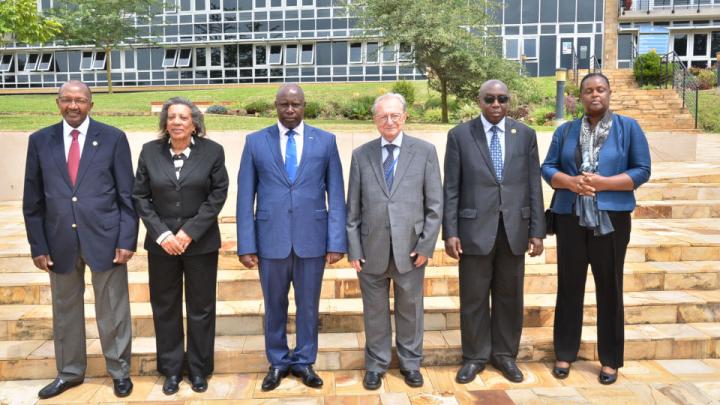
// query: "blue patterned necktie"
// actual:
[[389, 165], [291, 156], [496, 153]]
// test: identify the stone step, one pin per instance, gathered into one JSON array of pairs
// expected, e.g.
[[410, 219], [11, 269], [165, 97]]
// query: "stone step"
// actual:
[[678, 191], [33, 288], [34, 359], [678, 209], [29, 322]]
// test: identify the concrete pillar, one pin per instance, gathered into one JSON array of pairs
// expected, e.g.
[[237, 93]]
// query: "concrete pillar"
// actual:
[[610, 40]]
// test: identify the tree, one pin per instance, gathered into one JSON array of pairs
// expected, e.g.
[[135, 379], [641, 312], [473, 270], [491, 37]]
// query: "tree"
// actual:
[[107, 24], [21, 22], [450, 41]]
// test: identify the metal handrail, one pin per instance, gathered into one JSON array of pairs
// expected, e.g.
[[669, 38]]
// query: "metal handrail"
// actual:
[[678, 76]]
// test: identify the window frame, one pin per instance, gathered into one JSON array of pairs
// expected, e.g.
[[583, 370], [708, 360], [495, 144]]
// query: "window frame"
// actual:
[[31, 66], [167, 63], [302, 54], [186, 61], [6, 66], [41, 66], [91, 58], [288, 61], [279, 55], [95, 60], [350, 53]]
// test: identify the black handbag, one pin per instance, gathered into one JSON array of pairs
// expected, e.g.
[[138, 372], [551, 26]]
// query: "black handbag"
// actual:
[[550, 218]]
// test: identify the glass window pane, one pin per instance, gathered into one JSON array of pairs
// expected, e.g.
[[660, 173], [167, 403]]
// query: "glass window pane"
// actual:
[[170, 56], [245, 55], [405, 53], [307, 56], [230, 60], [700, 44], [511, 49], [276, 54], [388, 53], [371, 52], [530, 48], [45, 62], [215, 56], [6, 62], [291, 54], [200, 57], [99, 62], [32, 62], [184, 58], [714, 43], [356, 53], [260, 55], [129, 59]]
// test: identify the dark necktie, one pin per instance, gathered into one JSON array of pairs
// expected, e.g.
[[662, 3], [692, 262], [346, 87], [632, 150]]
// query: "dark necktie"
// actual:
[[73, 161], [496, 153], [291, 156], [178, 161], [389, 165]]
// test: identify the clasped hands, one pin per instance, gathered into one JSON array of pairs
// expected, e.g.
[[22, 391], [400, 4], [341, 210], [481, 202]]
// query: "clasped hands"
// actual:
[[176, 244], [251, 260], [586, 184]]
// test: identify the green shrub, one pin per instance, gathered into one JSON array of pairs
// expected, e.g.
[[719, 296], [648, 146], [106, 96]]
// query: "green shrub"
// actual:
[[259, 107], [571, 89], [406, 89], [216, 109], [312, 109], [706, 79], [358, 108], [331, 110], [648, 69], [540, 114], [434, 102], [432, 115], [466, 112]]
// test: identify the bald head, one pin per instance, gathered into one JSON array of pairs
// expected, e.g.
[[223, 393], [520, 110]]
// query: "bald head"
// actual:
[[75, 85], [492, 84], [290, 105], [290, 88]]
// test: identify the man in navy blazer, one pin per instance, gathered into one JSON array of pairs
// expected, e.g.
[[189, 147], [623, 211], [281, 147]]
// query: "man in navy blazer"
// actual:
[[78, 211], [290, 221]]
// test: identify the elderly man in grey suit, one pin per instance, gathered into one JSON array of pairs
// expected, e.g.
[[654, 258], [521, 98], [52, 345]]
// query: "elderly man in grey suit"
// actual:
[[493, 215], [393, 221]]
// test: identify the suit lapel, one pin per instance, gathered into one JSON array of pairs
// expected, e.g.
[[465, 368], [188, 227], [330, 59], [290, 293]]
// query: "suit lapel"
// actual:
[[192, 162], [92, 143], [375, 158], [510, 142], [404, 158], [57, 148], [273, 139], [478, 133], [166, 162], [308, 145]]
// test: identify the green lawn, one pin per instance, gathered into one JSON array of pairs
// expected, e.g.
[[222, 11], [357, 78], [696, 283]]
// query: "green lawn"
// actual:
[[709, 111], [128, 110]]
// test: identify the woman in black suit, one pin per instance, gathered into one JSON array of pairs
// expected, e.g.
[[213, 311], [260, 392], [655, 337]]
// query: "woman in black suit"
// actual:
[[180, 188]]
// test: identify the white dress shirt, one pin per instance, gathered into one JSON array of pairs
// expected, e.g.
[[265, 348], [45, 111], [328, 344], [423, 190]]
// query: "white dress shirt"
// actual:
[[501, 134], [67, 138], [396, 152], [299, 132]]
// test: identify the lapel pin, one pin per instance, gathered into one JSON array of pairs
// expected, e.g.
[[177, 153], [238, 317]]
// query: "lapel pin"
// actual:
[[95, 143], [513, 131]]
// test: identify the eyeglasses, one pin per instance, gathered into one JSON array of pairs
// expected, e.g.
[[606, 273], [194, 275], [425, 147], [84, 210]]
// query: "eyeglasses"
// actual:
[[389, 117], [502, 99], [70, 100]]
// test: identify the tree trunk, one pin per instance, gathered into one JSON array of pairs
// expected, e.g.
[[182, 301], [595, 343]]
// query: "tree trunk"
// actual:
[[443, 100], [108, 69]]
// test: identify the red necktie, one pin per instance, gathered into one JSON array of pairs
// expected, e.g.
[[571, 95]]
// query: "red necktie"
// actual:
[[73, 160]]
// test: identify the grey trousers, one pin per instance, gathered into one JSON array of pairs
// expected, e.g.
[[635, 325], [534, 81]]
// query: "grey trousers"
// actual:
[[112, 311], [408, 290]]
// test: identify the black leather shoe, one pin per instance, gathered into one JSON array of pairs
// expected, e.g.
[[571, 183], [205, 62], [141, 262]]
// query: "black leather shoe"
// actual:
[[273, 378], [57, 387], [372, 380], [122, 387], [607, 379], [560, 373], [171, 384], [199, 383], [308, 376], [468, 372], [509, 370], [413, 378]]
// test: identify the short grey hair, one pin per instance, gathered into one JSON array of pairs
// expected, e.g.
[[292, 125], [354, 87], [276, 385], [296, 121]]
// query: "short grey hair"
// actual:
[[197, 116], [399, 97], [76, 83]]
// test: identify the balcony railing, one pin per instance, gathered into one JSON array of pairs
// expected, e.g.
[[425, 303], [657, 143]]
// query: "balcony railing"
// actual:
[[667, 5]]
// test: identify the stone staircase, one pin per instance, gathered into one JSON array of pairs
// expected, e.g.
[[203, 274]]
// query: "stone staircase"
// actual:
[[672, 296], [655, 110]]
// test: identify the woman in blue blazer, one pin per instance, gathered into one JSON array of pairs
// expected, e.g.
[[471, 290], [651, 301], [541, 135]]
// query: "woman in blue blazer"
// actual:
[[594, 164]]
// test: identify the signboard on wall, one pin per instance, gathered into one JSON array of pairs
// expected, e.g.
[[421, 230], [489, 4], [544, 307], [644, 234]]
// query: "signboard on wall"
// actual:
[[653, 38]]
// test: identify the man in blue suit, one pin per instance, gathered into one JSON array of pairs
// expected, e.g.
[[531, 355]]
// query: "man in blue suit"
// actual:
[[78, 211], [293, 172]]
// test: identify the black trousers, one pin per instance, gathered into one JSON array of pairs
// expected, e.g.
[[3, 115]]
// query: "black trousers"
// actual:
[[576, 248], [166, 294], [491, 334]]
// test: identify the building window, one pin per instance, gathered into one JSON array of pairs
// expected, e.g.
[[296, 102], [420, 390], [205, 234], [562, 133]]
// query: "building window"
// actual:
[[680, 44], [170, 58], [6, 62], [700, 45], [405, 53], [45, 62], [291, 55], [200, 57], [308, 55], [260, 55], [371, 52], [512, 50], [86, 62], [275, 55], [530, 48], [714, 43], [32, 61], [308, 3], [388, 53], [184, 57], [215, 56], [356, 53], [99, 61]]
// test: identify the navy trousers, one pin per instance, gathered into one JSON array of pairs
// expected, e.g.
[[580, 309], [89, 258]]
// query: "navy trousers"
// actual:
[[306, 275]]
